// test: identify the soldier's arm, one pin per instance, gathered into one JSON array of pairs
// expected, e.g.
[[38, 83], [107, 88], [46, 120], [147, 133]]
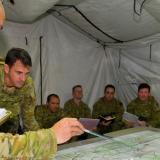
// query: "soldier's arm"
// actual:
[[29, 145], [119, 111], [67, 110], [28, 106], [130, 108], [61, 113], [155, 120], [39, 115], [87, 111], [95, 112], [40, 144]]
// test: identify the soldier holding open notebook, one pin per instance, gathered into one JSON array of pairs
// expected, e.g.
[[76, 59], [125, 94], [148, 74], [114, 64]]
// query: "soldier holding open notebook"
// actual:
[[110, 111]]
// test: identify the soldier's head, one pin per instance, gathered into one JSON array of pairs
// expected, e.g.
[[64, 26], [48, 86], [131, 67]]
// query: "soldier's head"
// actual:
[[77, 92], [109, 92], [2, 15], [144, 92], [17, 67], [53, 102]]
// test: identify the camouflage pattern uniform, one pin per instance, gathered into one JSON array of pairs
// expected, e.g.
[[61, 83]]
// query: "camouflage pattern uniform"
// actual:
[[32, 145], [109, 108], [45, 117], [71, 109], [149, 111], [21, 102]]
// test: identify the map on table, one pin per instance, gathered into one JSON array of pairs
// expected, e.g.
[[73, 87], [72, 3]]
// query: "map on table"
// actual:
[[144, 145]]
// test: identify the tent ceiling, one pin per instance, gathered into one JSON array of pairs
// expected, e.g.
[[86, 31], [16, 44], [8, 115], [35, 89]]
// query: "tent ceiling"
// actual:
[[112, 21]]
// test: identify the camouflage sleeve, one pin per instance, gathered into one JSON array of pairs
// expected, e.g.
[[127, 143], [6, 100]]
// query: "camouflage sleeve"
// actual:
[[28, 106], [95, 111], [38, 113], [61, 113], [39, 144], [67, 110], [87, 112], [119, 111], [155, 120], [130, 108]]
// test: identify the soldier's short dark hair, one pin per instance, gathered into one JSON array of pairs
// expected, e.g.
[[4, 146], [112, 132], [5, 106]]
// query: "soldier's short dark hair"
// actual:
[[52, 95], [144, 85], [76, 86], [15, 54], [109, 86]]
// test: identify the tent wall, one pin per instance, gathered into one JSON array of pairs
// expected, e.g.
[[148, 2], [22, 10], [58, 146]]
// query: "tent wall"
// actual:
[[132, 66], [70, 58]]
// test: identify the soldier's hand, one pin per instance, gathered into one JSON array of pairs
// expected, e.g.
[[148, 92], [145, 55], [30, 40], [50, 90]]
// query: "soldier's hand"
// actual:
[[129, 124], [142, 123], [106, 122], [67, 128]]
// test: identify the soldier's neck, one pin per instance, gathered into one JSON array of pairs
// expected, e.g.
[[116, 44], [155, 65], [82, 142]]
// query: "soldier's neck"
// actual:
[[144, 101], [77, 101], [7, 83]]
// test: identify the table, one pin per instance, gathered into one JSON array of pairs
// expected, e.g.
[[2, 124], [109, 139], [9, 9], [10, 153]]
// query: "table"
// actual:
[[129, 144]]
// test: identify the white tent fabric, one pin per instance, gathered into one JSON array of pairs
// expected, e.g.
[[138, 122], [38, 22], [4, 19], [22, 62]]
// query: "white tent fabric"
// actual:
[[131, 67], [27, 11], [70, 58]]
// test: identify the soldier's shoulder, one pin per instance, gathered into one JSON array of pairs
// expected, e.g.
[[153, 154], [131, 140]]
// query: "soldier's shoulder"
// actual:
[[97, 102], [154, 103], [133, 102], [152, 99], [28, 86], [100, 100], [40, 108], [2, 61], [118, 101], [84, 104], [29, 80], [60, 109], [68, 102]]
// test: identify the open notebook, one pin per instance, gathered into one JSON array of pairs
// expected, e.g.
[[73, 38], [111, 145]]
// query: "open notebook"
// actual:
[[4, 115], [89, 123]]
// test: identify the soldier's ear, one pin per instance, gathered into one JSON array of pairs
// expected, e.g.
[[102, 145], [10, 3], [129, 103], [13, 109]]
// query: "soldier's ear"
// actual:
[[6, 68], [149, 93]]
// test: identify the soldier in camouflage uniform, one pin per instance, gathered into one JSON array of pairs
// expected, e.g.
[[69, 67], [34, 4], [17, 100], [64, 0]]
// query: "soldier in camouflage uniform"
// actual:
[[17, 92], [75, 107], [145, 107], [109, 107], [32, 144], [28, 146], [49, 114]]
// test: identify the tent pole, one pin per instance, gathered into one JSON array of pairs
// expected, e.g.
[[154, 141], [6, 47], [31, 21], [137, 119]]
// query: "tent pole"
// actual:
[[41, 84]]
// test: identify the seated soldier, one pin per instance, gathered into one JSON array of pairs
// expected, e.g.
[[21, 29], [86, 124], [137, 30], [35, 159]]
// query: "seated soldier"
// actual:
[[145, 107], [49, 114], [111, 109], [75, 107]]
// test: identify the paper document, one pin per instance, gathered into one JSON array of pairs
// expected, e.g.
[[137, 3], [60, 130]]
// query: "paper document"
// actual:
[[131, 118], [89, 123], [102, 118], [4, 115]]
